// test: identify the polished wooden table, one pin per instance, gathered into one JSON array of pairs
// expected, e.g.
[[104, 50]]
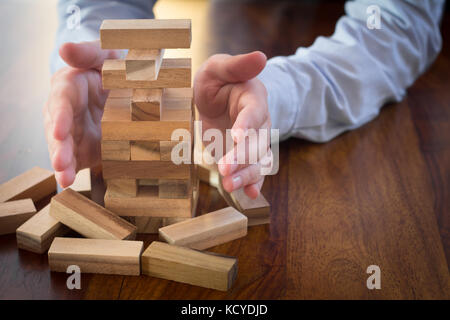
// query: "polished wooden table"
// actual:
[[379, 195]]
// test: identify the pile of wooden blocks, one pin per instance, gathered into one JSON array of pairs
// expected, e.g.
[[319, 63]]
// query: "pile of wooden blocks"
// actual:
[[146, 191], [150, 98]]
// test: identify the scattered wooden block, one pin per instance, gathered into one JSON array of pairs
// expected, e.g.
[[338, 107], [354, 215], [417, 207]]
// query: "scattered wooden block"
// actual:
[[146, 104], [145, 33], [174, 189], [145, 150], [145, 170], [148, 204], [116, 150], [185, 265], [174, 73], [168, 221], [207, 230], [82, 183], [88, 218], [14, 213], [117, 124], [148, 225], [143, 64], [257, 210], [36, 183], [96, 255], [122, 188], [38, 232]]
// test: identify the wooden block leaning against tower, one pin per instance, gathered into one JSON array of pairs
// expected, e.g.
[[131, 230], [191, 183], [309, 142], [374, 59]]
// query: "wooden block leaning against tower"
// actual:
[[150, 98]]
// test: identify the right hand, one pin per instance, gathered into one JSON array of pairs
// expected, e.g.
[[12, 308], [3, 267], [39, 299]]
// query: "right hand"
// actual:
[[74, 109]]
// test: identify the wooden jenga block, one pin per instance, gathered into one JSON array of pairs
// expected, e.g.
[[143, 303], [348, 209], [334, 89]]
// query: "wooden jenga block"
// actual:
[[207, 230], [174, 189], [148, 204], [38, 232], [147, 182], [145, 150], [36, 183], [143, 64], [174, 73], [145, 170], [178, 93], [117, 124], [148, 225], [120, 93], [82, 183], [116, 150], [176, 110], [257, 210], [122, 187], [185, 265], [96, 255], [208, 176], [146, 104], [88, 218], [168, 221], [145, 33], [166, 147], [14, 213]]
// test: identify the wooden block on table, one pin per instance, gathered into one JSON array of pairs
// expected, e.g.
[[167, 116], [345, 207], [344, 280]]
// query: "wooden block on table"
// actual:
[[36, 183], [96, 255], [207, 230], [15, 213], [122, 188], [117, 124], [186, 265], [38, 232], [174, 189], [143, 64], [146, 104], [145, 33], [148, 225], [148, 204], [116, 150], [174, 73], [145, 170], [252, 208], [145, 150], [88, 218], [82, 183]]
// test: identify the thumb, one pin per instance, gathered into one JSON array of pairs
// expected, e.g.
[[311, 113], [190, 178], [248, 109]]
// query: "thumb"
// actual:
[[239, 68], [86, 55]]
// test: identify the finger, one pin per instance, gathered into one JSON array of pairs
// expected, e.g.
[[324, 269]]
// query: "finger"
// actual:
[[62, 118], [253, 190], [242, 178], [86, 55], [62, 156], [66, 177]]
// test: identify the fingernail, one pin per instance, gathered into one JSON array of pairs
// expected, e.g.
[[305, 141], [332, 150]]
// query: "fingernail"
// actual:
[[237, 182]]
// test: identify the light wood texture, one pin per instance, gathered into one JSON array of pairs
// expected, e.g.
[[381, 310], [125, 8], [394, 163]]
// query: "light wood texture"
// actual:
[[207, 230], [35, 184], [116, 150], [96, 255], [185, 265], [147, 182], [148, 204], [38, 232], [145, 34], [14, 213], [166, 147], [88, 218], [82, 183], [169, 221], [120, 93], [174, 73], [148, 225], [143, 64], [117, 124], [145, 150], [146, 104], [145, 170], [174, 189], [122, 187]]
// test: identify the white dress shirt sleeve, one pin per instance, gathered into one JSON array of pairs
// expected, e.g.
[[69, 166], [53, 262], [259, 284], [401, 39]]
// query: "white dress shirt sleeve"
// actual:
[[90, 14], [341, 82]]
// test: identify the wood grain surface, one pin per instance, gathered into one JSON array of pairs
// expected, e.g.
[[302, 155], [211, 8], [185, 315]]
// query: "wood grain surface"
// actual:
[[379, 195]]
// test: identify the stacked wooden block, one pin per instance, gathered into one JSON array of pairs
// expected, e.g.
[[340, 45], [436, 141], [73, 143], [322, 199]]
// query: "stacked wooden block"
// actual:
[[150, 98]]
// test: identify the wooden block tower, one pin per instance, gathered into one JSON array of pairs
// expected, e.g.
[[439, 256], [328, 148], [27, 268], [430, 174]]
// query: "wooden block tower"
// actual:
[[150, 97]]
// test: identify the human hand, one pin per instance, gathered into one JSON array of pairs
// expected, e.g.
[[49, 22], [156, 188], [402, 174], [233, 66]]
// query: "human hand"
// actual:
[[229, 96], [74, 109]]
